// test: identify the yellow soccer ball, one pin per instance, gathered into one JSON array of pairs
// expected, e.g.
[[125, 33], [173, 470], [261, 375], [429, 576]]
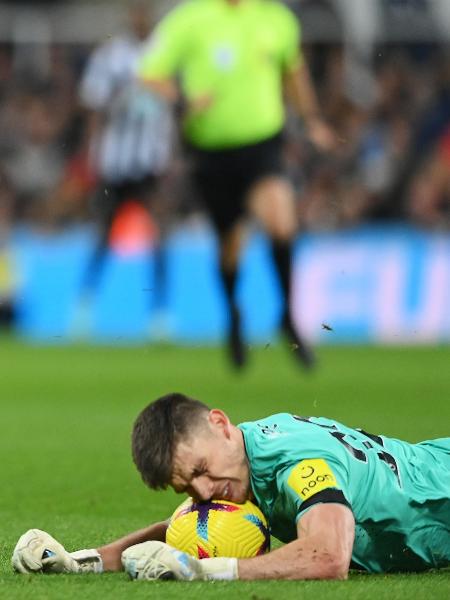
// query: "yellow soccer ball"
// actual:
[[219, 528]]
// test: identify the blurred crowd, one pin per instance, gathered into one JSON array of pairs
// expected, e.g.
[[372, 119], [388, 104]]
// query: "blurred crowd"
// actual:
[[391, 141], [392, 117]]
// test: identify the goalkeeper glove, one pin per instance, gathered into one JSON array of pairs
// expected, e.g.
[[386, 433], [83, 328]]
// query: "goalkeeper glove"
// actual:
[[157, 560], [38, 552]]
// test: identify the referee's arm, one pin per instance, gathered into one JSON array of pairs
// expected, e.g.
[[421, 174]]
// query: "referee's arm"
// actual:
[[167, 89], [301, 94]]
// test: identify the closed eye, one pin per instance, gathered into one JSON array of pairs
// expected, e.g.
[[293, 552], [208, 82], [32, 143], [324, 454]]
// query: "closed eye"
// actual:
[[200, 469]]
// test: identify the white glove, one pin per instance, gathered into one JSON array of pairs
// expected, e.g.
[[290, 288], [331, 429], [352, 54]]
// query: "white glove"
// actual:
[[38, 552], [157, 560]]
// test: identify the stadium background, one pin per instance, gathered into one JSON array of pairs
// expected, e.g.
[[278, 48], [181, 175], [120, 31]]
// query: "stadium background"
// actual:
[[373, 265], [370, 263]]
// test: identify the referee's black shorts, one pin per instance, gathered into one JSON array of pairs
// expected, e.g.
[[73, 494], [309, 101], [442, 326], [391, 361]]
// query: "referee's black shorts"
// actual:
[[223, 178]]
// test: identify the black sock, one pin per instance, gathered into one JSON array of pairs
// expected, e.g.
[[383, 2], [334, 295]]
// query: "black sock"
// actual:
[[157, 299], [283, 262], [229, 284], [235, 344], [281, 252]]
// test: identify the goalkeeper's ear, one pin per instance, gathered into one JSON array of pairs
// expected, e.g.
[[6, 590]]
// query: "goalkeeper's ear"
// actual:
[[219, 421]]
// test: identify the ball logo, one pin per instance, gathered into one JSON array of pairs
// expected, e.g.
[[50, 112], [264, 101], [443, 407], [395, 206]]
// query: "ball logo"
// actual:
[[203, 510], [311, 476]]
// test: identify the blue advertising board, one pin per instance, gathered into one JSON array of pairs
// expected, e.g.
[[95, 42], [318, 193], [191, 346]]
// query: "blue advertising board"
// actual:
[[368, 285]]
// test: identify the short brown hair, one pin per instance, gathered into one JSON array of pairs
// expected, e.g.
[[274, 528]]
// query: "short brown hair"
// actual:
[[157, 430]]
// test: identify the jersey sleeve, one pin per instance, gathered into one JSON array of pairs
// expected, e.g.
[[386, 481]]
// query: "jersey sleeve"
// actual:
[[164, 54], [97, 82], [311, 481], [290, 40]]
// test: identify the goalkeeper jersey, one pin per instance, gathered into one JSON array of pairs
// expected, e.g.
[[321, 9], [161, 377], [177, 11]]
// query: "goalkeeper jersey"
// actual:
[[399, 492]]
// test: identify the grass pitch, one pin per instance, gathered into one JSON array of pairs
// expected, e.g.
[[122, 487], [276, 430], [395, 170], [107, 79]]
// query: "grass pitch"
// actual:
[[66, 418]]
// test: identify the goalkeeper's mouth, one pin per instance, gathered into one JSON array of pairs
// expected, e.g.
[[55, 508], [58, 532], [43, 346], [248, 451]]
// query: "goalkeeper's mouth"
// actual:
[[227, 492]]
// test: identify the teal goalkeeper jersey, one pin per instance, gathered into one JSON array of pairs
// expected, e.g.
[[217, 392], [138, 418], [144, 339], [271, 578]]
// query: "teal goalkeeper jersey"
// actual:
[[399, 492]]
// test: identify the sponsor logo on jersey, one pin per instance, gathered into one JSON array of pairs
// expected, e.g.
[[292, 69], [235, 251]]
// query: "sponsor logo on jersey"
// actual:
[[311, 476]]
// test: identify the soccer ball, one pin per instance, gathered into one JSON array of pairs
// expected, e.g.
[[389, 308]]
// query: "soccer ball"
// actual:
[[218, 528]]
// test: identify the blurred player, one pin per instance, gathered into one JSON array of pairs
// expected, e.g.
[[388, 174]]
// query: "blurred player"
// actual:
[[129, 131], [235, 60], [337, 496]]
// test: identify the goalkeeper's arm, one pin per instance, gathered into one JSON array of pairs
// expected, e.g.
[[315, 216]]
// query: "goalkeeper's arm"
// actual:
[[111, 553], [322, 551]]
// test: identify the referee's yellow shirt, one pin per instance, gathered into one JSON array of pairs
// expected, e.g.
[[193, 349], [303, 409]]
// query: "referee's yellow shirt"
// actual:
[[234, 53]]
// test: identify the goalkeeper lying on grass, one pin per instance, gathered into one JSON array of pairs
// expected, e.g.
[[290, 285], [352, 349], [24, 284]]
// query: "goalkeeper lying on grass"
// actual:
[[337, 496]]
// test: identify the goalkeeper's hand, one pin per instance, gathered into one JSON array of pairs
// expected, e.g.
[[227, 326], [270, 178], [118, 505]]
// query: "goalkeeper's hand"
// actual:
[[38, 552], [157, 560]]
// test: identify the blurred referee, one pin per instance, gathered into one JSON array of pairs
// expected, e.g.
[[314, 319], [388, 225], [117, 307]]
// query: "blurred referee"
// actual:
[[129, 130], [233, 62]]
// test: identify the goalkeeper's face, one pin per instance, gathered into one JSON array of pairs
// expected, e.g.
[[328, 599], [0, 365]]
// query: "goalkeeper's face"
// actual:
[[212, 463]]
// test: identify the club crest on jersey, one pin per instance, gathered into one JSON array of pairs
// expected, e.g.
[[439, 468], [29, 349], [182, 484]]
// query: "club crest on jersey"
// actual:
[[270, 430], [224, 57]]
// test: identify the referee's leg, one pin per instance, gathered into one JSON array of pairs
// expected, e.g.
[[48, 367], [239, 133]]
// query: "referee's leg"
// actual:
[[230, 241], [218, 183], [272, 202]]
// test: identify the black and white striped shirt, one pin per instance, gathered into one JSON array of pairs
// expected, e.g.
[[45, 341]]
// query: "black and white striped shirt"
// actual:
[[136, 138]]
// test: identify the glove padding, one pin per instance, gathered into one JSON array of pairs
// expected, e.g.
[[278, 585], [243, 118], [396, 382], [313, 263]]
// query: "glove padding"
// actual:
[[38, 552], [157, 560]]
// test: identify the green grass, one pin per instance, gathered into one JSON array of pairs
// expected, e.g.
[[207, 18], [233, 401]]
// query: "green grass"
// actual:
[[64, 443]]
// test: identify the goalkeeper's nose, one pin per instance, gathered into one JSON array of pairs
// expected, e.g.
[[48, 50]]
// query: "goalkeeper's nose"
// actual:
[[202, 489]]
